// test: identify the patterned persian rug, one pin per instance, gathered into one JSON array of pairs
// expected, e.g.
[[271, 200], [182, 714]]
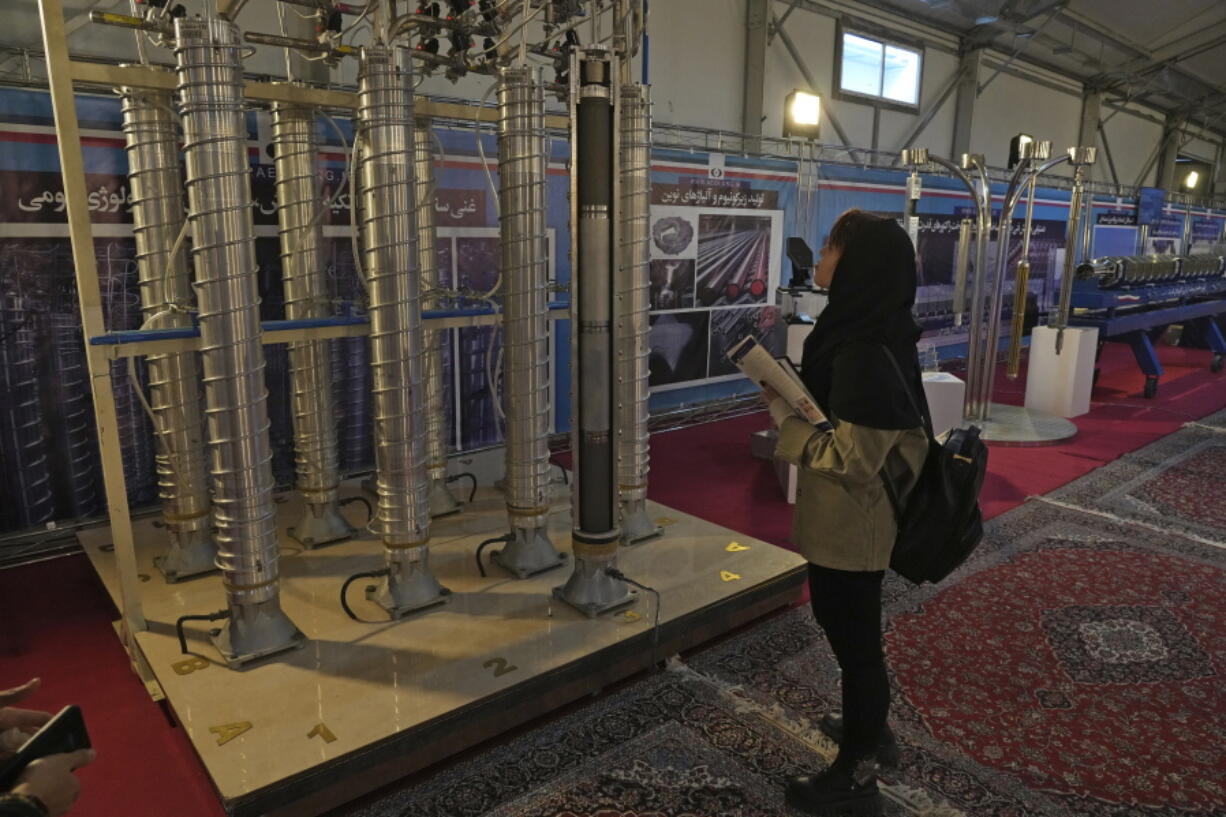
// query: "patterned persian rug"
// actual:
[[1172, 484], [1073, 668]]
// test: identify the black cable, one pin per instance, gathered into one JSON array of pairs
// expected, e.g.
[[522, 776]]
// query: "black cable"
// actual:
[[558, 465], [506, 537], [370, 509], [369, 574], [218, 616], [471, 494], [613, 572]]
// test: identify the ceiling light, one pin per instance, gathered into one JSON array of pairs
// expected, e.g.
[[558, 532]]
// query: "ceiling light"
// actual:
[[802, 114], [1191, 180]]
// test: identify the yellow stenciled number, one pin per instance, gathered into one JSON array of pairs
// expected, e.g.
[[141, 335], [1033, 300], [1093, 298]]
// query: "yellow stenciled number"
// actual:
[[189, 665], [322, 731], [628, 616], [729, 576], [229, 731], [736, 547], [500, 666]]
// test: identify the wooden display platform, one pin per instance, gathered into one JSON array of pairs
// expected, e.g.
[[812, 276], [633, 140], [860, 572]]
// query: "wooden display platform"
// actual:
[[362, 705]]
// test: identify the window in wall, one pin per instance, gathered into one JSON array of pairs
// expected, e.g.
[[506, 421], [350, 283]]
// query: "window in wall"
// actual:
[[880, 69]]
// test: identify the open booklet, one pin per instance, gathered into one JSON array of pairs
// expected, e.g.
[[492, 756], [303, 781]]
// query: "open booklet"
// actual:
[[759, 366]]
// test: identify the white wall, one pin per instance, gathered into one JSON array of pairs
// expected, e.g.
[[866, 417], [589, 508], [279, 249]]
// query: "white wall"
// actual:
[[697, 59]]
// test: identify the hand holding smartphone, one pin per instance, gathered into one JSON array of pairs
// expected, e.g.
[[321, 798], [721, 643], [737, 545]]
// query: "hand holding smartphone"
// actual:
[[62, 734]]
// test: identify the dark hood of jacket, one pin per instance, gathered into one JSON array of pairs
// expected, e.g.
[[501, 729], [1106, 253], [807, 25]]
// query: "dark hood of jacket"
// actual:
[[845, 365]]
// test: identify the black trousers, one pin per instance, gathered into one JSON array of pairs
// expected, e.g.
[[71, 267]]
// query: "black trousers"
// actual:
[[847, 605]]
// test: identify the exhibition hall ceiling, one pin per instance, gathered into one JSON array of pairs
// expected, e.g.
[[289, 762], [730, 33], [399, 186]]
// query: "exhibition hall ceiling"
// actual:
[[1168, 55]]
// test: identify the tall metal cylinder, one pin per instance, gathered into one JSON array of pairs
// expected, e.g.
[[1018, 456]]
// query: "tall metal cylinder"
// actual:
[[980, 344], [219, 197], [151, 129], [1068, 273], [299, 215], [441, 501], [389, 251], [961, 267], [594, 247], [633, 303], [524, 266]]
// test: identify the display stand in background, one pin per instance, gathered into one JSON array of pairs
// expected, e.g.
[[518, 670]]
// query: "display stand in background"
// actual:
[[945, 394], [1060, 384]]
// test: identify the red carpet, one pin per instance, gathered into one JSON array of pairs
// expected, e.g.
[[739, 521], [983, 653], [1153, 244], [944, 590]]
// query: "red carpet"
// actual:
[[57, 619], [707, 470], [57, 625]]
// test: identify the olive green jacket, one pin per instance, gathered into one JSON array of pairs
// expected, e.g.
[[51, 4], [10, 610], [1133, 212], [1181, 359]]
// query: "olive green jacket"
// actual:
[[844, 519]]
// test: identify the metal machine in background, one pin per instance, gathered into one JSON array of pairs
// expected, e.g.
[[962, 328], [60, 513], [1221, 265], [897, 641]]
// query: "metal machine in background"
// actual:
[[800, 302], [1128, 297], [1000, 422]]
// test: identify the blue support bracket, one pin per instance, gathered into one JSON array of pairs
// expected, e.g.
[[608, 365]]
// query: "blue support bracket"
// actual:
[[1143, 349], [1213, 334]]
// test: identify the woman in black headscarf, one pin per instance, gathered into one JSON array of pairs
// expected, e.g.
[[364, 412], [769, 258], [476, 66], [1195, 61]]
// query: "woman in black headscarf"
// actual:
[[845, 522]]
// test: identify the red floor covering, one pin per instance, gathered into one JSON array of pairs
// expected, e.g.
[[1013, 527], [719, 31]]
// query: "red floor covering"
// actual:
[[55, 618]]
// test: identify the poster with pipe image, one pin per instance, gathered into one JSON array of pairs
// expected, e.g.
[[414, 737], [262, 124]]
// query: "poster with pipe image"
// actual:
[[713, 273]]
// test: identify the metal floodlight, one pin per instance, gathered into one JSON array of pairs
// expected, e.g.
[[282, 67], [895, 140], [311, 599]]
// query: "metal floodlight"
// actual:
[[1191, 180], [969, 161], [1082, 155], [802, 114], [1020, 148]]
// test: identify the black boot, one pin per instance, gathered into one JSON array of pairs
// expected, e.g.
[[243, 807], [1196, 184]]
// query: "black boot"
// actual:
[[888, 753], [843, 790]]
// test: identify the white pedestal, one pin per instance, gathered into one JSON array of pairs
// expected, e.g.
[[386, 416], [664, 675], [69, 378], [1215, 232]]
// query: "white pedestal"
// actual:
[[1061, 384], [945, 394]]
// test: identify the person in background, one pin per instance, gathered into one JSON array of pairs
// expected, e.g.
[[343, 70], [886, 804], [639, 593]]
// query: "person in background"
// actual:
[[47, 787], [844, 519]]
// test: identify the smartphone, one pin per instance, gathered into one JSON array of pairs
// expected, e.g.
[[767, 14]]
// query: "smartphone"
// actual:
[[63, 733]]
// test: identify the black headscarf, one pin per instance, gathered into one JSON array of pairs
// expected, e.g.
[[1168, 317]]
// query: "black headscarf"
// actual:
[[844, 365]]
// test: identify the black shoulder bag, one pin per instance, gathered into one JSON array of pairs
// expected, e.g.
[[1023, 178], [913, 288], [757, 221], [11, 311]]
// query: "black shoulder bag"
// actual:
[[940, 523]]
